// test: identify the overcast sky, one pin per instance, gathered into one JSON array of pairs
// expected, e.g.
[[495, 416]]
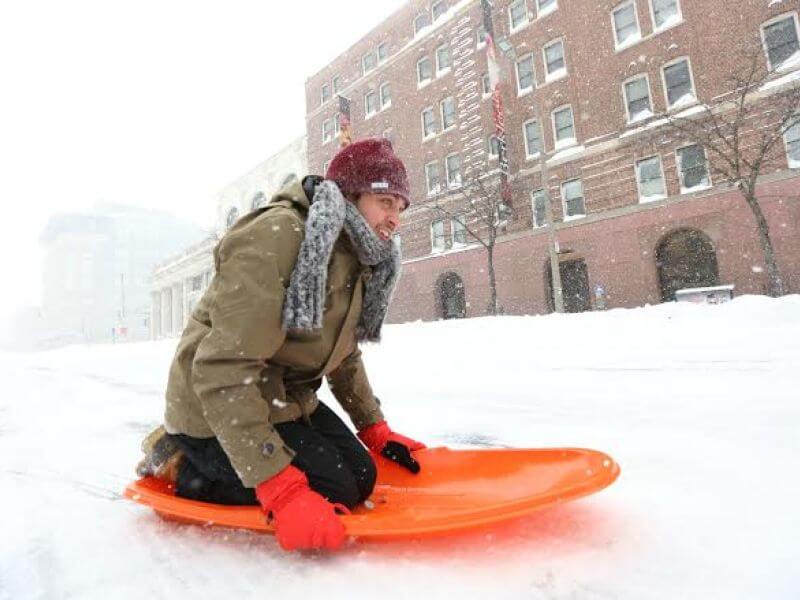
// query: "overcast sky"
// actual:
[[150, 103]]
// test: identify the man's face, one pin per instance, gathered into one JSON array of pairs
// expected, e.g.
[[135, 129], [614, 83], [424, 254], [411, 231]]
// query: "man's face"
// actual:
[[382, 212]]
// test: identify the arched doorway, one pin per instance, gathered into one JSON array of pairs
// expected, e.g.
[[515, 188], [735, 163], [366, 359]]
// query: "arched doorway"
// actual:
[[452, 298], [685, 259], [574, 284]]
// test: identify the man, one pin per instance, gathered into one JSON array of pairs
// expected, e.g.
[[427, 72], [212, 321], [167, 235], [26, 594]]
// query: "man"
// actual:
[[298, 284]]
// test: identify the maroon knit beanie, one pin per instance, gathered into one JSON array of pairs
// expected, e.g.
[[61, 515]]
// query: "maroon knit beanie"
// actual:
[[369, 165]]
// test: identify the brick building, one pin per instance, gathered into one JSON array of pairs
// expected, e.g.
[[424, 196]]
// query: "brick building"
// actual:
[[632, 201]]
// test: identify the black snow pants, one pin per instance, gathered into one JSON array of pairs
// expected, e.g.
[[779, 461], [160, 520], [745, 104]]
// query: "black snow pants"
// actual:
[[337, 466]]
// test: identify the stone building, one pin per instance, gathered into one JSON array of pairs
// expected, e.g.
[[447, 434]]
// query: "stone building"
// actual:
[[178, 283], [638, 211]]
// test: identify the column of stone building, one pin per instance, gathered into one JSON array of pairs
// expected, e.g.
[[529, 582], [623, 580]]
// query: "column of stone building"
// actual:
[[166, 312], [155, 315], [177, 309]]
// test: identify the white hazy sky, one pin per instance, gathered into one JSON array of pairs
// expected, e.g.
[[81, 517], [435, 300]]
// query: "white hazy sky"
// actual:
[[150, 103]]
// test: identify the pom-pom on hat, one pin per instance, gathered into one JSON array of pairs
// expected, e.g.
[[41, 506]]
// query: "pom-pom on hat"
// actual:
[[369, 165]]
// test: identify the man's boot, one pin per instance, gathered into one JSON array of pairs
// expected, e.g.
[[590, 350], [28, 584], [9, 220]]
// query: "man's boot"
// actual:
[[162, 456]]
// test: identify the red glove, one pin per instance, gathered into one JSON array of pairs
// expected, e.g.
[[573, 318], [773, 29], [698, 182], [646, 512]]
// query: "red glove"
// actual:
[[304, 520], [382, 440]]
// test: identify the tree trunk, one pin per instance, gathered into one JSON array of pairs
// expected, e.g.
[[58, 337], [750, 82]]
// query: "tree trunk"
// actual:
[[492, 309], [773, 273]]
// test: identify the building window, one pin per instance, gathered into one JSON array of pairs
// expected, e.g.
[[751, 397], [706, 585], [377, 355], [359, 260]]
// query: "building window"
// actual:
[[693, 169], [555, 65], [539, 209], [459, 228], [368, 62], [678, 83], [337, 84], [442, 59], [432, 178], [326, 93], [533, 139], [545, 7], [383, 52], [453, 164], [493, 146], [564, 127], [525, 74], [233, 215], [438, 9], [518, 15], [421, 22], [428, 123], [448, 110], [780, 41], [486, 85], [327, 130], [370, 103], [650, 177], [259, 200], [792, 139], [574, 204], [481, 37], [637, 99], [424, 70], [666, 13], [438, 241], [386, 96], [626, 25]]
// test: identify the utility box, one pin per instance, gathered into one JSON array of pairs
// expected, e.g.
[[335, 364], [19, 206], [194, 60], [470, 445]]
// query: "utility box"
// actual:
[[706, 295]]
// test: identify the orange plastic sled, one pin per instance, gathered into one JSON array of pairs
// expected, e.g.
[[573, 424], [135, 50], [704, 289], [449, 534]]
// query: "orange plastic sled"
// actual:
[[456, 490]]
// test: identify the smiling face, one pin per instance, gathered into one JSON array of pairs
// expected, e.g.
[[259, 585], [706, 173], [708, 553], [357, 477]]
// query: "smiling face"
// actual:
[[382, 212]]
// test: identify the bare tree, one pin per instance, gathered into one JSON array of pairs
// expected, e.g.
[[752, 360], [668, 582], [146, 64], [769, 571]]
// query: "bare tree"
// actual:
[[479, 208], [742, 133]]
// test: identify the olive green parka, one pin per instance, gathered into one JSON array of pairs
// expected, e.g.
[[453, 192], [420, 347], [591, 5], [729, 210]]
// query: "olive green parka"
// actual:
[[236, 371]]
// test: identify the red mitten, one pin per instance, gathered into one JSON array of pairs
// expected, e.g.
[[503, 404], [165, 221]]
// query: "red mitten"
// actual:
[[304, 520], [382, 440]]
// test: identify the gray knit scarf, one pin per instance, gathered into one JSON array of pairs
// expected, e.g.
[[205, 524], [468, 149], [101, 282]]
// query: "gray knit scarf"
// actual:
[[304, 304]]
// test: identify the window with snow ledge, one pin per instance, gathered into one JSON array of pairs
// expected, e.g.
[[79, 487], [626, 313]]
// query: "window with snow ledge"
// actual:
[[626, 25], [447, 108], [386, 96], [327, 130], [525, 75], [368, 62], [637, 98], [459, 229], [453, 168], [517, 15], [572, 197], [370, 104], [679, 84], [432, 178], [326, 93], [666, 14], [428, 123], [538, 208], [693, 169], [424, 71], [486, 85], [438, 9], [545, 7], [442, 60], [533, 139], [792, 139], [383, 52], [781, 42], [493, 146], [650, 179], [555, 64], [481, 35], [438, 239], [421, 22], [564, 127]]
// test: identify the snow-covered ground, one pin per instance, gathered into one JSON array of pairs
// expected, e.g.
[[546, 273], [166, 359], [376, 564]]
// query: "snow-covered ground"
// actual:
[[699, 404]]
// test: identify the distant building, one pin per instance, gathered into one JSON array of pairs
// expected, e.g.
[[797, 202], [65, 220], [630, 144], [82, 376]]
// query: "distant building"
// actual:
[[179, 282], [97, 267]]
